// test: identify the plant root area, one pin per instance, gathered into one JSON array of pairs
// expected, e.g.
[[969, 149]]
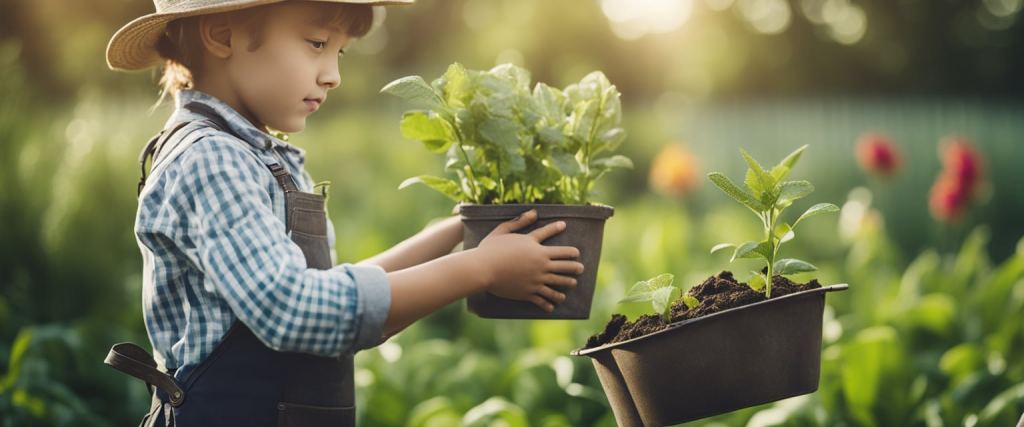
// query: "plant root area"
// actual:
[[716, 293]]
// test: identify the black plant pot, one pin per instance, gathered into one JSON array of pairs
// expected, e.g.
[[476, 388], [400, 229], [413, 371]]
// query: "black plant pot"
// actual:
[[710, 365], [584, 231]]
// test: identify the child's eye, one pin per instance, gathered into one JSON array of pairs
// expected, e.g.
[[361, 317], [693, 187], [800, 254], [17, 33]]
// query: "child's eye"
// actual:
[[317, 45]]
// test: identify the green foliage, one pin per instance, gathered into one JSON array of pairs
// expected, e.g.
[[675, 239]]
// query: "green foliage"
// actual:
[[508, 144], [661, 293], [767, 195]]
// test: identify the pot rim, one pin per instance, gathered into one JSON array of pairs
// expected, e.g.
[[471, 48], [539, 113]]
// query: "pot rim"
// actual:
[[588, 351], [549, 210]]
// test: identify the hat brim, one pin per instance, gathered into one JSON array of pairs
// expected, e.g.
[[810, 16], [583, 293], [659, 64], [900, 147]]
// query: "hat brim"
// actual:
[[134, 46]]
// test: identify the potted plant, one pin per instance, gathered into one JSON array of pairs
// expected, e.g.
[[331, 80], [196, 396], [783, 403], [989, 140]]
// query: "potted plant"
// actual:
[[723, 345], [514, 149]]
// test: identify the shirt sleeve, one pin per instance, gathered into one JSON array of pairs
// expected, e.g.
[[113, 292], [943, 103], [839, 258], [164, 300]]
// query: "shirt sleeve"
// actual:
[[243, 250]]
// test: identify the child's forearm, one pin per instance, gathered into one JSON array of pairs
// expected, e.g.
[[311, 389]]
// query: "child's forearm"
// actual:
[[433, 242], [423, 289]]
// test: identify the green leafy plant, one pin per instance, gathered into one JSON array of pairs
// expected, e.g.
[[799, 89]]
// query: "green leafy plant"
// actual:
[[508, 144], [767, 195], [661, 293]]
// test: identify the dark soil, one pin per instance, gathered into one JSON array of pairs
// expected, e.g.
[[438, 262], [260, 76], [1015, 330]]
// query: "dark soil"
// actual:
[[717, 293]]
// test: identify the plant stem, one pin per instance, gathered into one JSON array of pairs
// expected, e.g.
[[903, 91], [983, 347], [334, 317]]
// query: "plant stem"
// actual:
[[771, 250], [472, 173]]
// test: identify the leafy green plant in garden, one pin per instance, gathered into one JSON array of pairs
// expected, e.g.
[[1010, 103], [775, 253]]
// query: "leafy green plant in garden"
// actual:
[[508, 144], [661, 293], [768, 196]]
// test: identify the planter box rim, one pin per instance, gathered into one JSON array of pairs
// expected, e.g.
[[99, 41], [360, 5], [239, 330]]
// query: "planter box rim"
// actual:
[[587, 352]]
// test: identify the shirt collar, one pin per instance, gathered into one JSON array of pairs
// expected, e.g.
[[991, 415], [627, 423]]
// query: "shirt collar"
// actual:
[[239, 124]]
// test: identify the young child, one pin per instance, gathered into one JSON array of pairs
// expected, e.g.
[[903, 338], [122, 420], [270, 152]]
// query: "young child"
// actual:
[[254, 324]]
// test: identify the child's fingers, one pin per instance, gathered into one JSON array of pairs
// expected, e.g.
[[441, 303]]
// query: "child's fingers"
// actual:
[[551, 294], [562, 252], [566, 267], [516, 224], [545, 232], [542, 303], [559, 280]]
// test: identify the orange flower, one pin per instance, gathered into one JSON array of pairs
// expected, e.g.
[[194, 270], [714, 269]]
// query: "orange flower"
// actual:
[[674, 170], [957, 184], [876, 153]]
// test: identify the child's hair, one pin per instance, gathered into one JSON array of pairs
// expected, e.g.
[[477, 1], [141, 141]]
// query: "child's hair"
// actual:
[[181, 46]]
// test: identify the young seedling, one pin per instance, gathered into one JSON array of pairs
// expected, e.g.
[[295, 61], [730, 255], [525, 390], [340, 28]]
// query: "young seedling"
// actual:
[[768, 196], [661, 293]]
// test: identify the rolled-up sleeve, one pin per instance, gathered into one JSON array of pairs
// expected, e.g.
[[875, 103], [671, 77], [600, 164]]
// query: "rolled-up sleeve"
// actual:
[[249, 261]]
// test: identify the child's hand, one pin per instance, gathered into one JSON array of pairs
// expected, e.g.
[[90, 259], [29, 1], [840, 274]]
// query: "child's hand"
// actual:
[[522, 269]]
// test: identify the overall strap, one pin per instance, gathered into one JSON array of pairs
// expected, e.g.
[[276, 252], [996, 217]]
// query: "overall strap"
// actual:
[[156, 143], [133, 360]]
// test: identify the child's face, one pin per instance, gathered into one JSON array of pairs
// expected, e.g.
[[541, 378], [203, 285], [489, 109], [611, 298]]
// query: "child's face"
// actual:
[[287, 77]]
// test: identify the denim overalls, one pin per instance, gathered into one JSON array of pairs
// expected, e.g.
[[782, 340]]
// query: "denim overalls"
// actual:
[[243, 382]]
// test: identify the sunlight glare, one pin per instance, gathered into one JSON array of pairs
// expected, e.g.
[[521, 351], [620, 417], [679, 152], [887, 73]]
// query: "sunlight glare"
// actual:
[[633, 19]]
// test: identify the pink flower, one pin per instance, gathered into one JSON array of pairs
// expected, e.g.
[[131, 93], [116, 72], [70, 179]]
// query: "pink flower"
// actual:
[[957, 184], [876, 153]]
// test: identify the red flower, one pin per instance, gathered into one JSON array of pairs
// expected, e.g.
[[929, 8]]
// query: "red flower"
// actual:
[[876, 153], [957, 185], [674, 170]]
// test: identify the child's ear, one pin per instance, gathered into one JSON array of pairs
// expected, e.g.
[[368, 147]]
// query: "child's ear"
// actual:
[[215, 31]]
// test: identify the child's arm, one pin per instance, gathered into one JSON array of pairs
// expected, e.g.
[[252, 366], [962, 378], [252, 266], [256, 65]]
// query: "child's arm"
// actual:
[[506, 264], [435, 241]]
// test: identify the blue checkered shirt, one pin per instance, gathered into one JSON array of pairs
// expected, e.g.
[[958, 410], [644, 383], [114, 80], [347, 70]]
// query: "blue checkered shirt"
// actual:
[[211, 227]]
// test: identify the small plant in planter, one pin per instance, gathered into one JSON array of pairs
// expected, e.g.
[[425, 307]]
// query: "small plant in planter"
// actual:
[[513, 149], [725, 345], [768, 197]]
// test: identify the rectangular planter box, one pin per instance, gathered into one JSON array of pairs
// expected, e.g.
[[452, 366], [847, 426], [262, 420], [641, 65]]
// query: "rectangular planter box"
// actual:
[[733, 359]]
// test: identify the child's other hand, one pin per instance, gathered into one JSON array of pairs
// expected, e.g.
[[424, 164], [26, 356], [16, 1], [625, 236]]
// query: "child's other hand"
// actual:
[[522, 269]]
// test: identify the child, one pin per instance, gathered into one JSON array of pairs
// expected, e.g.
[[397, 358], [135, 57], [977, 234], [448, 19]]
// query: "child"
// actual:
[[253, 322]]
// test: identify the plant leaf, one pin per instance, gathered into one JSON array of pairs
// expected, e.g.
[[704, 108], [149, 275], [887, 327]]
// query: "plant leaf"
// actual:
[[502, 132], [445, 186], [610, 140], [786, 266], [613, 162], [767, 182], [662, 300], [752, 182], [415, 90], [660, 281], [791, 159], [435, 132], [566, 163], [780, 172], [817, 209], [792, 190], [690, 301], [756, 282], [784, 232], [721, 246], [723, 182], [752, 250]]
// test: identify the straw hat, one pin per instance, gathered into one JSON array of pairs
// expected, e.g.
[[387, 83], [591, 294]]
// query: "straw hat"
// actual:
[[134, 45]]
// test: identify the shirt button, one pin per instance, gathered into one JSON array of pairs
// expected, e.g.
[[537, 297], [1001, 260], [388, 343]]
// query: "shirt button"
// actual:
[[269, 144], [280, 406]]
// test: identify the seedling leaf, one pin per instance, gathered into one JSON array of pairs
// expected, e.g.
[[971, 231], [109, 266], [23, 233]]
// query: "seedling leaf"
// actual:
[[767, 182], [752, 250], [721, 246], [817, 209], [756, 282], [792, 190], [735, 192], [690, 301], [792, 266]]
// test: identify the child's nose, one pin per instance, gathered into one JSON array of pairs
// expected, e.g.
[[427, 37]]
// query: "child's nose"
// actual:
[[329, 76]]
